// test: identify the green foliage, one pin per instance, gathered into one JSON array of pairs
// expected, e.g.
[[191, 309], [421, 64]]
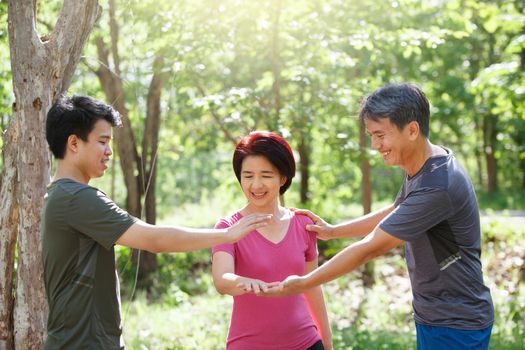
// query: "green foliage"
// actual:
[[225, 59], [501, 200], [224, 62]]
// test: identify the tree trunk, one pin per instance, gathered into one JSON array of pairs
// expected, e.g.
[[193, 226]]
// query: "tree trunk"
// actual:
[[273, 124], [124, 139], [522, 66], [366, 183], [474, 68], [489, 138], [41, 71], [9, 219], [366, 199], [304, 165], [139, 171], [150, 142]]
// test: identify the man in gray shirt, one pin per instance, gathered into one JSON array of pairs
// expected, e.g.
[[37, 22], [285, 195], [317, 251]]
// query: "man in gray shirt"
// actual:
[[435, 214]]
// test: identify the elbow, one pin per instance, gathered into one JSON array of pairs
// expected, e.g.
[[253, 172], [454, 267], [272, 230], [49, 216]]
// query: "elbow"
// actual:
[[154, 246], [222, 290], [371, 256]]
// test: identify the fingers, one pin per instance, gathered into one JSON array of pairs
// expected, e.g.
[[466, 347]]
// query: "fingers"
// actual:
[[273, 284], [259, 224], [323, 231], [258, 220], [257, 287], [275, 291], [316, 219], [314, 228], [302, 211]]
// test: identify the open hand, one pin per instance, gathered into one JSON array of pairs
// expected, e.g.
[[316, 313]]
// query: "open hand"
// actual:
[[247, 224], [323, 229], [291, 285], [256, 286]]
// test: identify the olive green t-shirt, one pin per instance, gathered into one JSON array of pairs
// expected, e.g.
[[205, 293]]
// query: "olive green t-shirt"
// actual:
[[80, 225]]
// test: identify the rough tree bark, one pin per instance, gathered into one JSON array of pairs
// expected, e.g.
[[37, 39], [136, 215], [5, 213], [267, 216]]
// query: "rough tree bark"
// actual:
[[42, 69]]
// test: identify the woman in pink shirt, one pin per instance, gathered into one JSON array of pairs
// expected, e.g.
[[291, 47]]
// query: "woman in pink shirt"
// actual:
[[264, 165]]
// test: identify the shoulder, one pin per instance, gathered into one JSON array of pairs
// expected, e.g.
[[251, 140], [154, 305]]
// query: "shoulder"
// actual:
[[228, 220], [301, 220], [68, 192], [77, 190], [86, 200]]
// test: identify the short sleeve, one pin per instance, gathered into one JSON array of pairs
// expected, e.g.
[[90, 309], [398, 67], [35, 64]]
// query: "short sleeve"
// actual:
[[399, 197], [95, 215], [311, 239], [311, 252], [225, 247], [420, 211]]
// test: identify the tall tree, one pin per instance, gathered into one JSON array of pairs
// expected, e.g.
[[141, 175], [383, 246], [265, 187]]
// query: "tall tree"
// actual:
[[42, 68], [139, 169]]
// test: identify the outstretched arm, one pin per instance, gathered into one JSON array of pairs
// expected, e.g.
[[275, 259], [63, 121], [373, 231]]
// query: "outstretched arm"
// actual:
[[375, 244], [359, 227], [227, 282], [158, 239]]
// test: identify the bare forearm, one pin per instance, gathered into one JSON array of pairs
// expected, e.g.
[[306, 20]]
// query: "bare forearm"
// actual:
[[376, 243], [342, 263], [361, 226], [182, 239], [316, 305], [178, 239], [158, 239], [228, 284]]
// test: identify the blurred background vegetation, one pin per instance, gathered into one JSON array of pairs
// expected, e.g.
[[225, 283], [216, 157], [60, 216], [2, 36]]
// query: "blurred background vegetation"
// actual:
[[192, 77]]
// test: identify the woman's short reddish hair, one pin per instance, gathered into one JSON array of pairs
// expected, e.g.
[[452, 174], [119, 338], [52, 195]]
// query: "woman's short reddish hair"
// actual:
[[271, 146]]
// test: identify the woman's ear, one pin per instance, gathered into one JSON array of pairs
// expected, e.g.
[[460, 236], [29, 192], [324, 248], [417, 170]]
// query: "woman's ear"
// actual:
[[283, 180]]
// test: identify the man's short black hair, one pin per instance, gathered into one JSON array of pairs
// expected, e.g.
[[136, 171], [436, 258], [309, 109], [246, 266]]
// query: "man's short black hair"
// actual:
[[75, 115], [400, 103]]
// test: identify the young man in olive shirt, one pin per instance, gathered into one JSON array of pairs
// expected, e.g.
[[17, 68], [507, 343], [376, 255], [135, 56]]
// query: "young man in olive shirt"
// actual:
[[80, 226]]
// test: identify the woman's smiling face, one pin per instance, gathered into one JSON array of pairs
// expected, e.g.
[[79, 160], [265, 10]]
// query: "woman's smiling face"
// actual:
[[261, 181]]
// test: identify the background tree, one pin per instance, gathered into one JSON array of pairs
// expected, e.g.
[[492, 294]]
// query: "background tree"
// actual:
[[42, 68]]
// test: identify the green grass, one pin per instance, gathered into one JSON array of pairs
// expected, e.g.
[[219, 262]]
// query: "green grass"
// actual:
[[201, 322]]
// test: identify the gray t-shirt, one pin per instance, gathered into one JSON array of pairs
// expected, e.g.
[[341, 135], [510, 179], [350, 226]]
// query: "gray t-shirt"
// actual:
[[437, 215], [80, 225]]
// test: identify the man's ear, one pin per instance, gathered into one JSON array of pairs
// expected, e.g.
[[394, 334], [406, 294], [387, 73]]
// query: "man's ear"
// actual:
[[413, 130], [72, 143]]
